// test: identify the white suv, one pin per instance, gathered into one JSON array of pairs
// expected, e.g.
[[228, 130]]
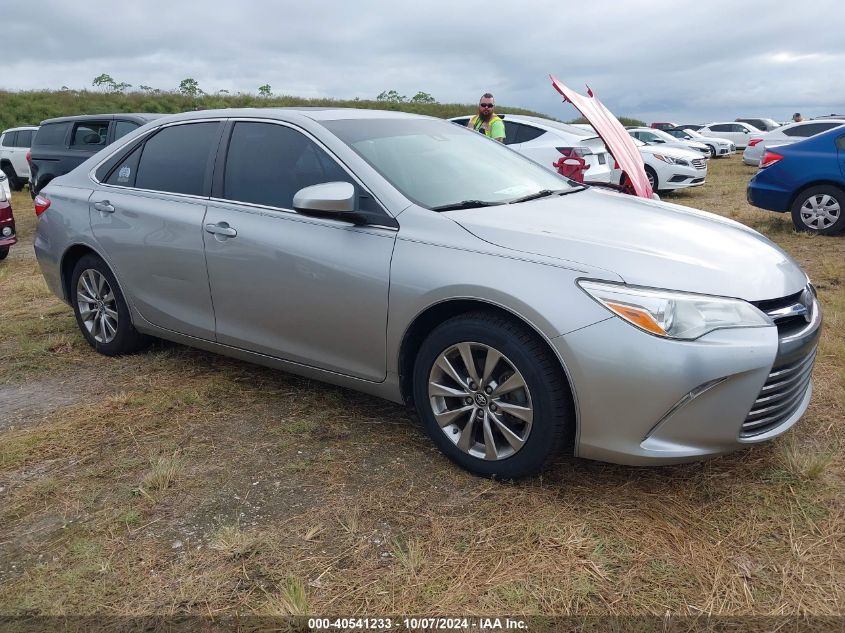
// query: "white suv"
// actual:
[[14, 145], [545, 141]]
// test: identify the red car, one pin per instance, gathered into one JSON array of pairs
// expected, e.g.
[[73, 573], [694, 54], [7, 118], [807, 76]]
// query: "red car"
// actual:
[[7, 220]]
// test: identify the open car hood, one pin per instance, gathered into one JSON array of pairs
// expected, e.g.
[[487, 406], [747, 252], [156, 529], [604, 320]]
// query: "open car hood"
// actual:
[[614, 135]]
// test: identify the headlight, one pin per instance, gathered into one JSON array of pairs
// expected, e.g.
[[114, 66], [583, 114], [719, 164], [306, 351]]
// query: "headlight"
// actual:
[[672, 314], [671, 161]]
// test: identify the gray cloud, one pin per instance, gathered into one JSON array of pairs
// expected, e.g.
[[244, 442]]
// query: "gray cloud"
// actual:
[[653, 60]]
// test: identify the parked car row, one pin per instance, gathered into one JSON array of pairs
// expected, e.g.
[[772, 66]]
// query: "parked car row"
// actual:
[[786, 135]]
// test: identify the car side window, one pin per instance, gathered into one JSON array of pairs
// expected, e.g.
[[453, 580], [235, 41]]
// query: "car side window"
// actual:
[[528, 133], [122, 128], [176, 159], [24, 138], [811, 129], [51, 134], [125, 172], [720, 128], [9, 139], [267, 164], [89, 134], [511, 132]]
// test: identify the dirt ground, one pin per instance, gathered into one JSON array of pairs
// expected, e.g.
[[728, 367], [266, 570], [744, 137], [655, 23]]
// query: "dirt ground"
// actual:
[[179, 482]]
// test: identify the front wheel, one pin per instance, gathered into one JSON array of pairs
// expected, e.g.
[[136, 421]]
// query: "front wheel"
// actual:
[[819, 210], [652, 178], [4, 251], [101, 311], [712, 151], [492, 396]]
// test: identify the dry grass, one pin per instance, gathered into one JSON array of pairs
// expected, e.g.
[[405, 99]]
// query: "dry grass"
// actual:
[[269, 494]]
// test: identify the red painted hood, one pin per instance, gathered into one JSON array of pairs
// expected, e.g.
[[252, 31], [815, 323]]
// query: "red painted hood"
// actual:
[[613, 133]]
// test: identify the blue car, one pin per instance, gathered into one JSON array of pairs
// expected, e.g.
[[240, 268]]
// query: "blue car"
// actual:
[[807, 179]]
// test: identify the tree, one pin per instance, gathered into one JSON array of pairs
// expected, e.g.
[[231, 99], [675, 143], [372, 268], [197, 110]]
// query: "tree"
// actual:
[[423, 97], [391, 96], [121, 86], [190, 87], [265, 90], [104, 81], [146, 88]]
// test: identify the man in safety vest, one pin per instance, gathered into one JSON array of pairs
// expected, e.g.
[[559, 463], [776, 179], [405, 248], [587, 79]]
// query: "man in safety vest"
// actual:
[[486, 120]]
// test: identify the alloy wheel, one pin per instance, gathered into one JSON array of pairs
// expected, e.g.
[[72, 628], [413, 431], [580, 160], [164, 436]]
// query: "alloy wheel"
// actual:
[[97, 305], [820, 211], [480, 401]]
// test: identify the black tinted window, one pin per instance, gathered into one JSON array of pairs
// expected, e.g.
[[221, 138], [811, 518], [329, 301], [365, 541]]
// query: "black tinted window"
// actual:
[[90, 134], [810, 129], [840, 142], [528, 133], [24, 138], [511, 132], [51, 134], [122, 128], [125, 172], [176, 159], [9, 139], [267, 164], [721, 128]]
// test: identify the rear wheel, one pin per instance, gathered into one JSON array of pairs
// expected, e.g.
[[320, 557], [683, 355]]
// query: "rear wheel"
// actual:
[[15, 183], [101, 311], [492, 396], [819, 209]]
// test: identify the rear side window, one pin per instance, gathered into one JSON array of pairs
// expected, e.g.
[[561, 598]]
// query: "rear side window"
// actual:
[[267, 164], [122, 128], [176, 159], [51, 134], [811, 129], [24, 138], [511, 132], [90, 134], [721, 128], [124, 174], [840, 142], [528, 133], [9, 139]]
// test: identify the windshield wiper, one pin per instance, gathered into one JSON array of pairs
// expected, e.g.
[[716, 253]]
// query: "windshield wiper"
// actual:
[[465, 204], [543, 193]]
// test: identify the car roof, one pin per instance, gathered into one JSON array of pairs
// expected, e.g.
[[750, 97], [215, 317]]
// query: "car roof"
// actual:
[[314, 113], [138, 116], [22, 127]]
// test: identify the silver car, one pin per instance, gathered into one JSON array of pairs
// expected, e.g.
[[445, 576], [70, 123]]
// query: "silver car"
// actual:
[[521, 314]]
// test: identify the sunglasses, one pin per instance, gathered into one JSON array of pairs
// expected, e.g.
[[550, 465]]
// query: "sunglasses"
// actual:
[[485, 105]]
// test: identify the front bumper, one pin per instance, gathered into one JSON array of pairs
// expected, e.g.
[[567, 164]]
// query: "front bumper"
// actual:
[[646, 400]]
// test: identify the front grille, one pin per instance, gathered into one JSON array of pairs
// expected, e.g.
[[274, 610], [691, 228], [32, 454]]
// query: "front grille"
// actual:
[[699, 163], [789, 379], [780, 397]]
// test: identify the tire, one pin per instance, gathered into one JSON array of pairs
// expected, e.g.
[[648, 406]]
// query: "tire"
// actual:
[[712, 151], [652, 178], [15, 183], [4, 251], [476, 419], [109, 330], [819, 210]]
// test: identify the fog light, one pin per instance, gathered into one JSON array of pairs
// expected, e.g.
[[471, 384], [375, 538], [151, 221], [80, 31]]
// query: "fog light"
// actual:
[[7, 231]]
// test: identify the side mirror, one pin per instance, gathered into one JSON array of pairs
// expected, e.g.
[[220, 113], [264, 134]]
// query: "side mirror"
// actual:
[[329, 199]]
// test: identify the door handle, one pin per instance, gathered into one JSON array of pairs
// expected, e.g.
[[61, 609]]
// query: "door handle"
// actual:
[[104, 206], [221, 228]]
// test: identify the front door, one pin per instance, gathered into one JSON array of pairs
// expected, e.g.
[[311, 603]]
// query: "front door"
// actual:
[[305, 289]]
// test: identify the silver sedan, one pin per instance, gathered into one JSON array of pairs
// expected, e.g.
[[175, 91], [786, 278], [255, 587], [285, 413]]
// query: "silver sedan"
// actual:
[[521, 314]]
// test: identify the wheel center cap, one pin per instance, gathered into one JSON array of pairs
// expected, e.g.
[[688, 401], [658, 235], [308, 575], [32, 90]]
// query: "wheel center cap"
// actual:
[[481, 400]]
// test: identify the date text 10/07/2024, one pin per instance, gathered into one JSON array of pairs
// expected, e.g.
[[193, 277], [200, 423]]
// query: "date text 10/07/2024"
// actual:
[[417, 624]]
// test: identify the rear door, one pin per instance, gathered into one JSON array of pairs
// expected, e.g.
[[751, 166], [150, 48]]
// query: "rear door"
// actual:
[[86, 139], [148, 215], [306, 289], [23, 140]]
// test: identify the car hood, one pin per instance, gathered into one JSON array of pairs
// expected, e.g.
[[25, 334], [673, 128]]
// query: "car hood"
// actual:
[[645, 242]]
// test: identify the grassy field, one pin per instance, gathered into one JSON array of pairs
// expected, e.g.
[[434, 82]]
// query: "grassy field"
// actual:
[[179, 482]]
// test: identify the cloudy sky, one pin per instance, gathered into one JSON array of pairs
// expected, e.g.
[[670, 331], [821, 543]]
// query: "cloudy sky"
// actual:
[[655, 60]]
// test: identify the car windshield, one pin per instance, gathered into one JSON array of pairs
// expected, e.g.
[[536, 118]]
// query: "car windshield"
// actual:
[[664, 135], [438, 164]]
